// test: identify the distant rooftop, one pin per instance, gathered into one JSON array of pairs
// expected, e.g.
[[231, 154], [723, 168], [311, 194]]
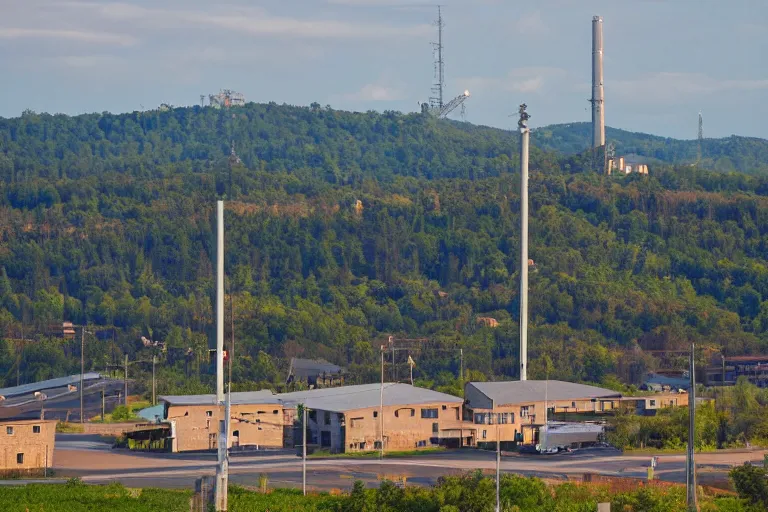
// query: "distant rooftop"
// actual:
[[365, 396], [306, 369], [264, 396], [339, 399], [42, 385], [512, 392]]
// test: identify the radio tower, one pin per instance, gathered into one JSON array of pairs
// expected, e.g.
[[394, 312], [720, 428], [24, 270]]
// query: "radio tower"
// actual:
[[436, 102]]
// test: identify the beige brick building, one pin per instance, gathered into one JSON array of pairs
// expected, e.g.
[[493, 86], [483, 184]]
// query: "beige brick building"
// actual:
[[26, 445], [347, 419], [515, 409], [256, 421]]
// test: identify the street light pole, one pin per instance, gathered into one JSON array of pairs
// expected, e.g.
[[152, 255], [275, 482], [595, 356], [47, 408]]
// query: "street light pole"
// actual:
[[381, 408], [125, 382], [154, 361], [498, 465], [82, 370], [304, 452], [691, 463]]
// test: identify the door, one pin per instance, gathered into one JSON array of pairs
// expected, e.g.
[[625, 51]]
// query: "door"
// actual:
[[325, 439]]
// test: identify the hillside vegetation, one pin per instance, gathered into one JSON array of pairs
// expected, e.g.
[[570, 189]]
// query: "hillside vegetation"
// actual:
[[734, 153], [343, 228]]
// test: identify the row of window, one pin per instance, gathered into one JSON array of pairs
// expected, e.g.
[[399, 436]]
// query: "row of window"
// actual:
[[491, 418], [35, 430]]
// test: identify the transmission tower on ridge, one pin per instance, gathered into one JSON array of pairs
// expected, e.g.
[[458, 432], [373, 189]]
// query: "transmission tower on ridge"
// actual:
[[436, 102]]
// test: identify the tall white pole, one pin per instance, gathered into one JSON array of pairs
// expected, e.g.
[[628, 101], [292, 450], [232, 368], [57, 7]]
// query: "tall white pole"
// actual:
[[381, 407], [524, 143], [498, 465], [220, 302], [222, 469], [304, 452], [690, 472]]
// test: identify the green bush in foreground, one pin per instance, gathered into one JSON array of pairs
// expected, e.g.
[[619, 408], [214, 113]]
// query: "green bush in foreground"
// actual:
[[466, 493]]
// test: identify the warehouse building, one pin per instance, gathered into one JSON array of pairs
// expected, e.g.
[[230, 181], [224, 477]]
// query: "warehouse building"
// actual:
[[26, 446], [256, 421], [347, 419], [514, 411]]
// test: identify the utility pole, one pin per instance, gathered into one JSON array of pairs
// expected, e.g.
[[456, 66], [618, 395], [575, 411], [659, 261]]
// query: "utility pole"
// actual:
[[524, 142], [102, 404], [82, 370], [461, 365], [381, 407], [154, 361], [125, 383], [304, 451], [692, 501], [498, 466]]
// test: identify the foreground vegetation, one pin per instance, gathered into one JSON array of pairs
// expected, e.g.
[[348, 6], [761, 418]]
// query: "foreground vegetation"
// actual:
[[469, 493], [344, 228]]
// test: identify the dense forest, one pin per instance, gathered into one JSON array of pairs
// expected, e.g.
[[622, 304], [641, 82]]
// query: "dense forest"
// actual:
[[734, 153], [343, 228]]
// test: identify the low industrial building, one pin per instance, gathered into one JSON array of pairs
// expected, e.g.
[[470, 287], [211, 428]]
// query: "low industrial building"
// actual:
[[26, 446], [725, 371], [347, 419], [514, 411], [315, 373], [649, 405], [256, 421]]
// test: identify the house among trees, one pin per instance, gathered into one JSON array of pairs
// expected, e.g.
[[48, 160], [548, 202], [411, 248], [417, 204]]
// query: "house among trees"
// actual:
[[315, 373]]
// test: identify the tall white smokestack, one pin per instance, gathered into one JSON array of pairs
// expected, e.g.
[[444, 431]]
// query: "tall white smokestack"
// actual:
[[598, 98], [220, 302]]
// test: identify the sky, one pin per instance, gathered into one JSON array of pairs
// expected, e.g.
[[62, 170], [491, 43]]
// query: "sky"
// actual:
[[665, 60]]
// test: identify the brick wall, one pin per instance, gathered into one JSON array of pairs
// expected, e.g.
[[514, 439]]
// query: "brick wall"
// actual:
[[24, 445]]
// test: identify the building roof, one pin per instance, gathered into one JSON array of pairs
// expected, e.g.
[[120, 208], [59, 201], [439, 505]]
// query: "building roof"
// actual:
[[47, 384], [26, 422], [365, 396], [745, 359], [265, 396], [513, 392], [303, 368], [664, 380]]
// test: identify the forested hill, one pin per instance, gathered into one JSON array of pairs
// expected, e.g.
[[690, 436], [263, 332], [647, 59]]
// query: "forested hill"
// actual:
[[343, 228], [734, 153]]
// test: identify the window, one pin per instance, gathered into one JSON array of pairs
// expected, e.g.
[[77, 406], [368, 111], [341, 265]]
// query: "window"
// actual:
[[209, 413], [420, 444], [313, 415], [485, 434], [375, 414], [435, 428], [480, 418], [445, 407], [653, 403], [573, 404], [503, 418], [377, 445], [429, 413], [355, 422], [524, 411], [19, 458], [274, 412], [327, 418], [9, 431], [35, 429], [405, 412], [362, 445]]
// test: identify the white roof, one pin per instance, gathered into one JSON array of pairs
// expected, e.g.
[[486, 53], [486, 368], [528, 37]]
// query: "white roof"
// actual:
[[518, 391]]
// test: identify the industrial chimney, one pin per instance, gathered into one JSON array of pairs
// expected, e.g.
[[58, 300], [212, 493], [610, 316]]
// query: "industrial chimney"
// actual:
[[598, 99]]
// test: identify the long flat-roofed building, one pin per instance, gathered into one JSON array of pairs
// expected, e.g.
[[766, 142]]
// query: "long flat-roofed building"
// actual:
[[515, 409], [347, 419], [256, 421]]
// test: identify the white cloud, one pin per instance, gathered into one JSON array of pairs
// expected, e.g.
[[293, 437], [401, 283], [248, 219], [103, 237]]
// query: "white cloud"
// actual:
[[520, 80], [249, 20], [70, 35], [669, 87], [531, 25], [375, 92]]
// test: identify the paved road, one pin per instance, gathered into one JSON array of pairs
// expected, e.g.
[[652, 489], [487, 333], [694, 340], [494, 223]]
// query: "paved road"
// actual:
[[94, 461]]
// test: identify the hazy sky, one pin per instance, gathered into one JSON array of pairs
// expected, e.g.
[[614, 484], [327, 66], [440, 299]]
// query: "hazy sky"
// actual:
[[664, 60]]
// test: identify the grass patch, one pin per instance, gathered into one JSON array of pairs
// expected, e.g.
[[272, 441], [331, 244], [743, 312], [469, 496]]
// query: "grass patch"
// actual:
[[69, 428], [374, 454]]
